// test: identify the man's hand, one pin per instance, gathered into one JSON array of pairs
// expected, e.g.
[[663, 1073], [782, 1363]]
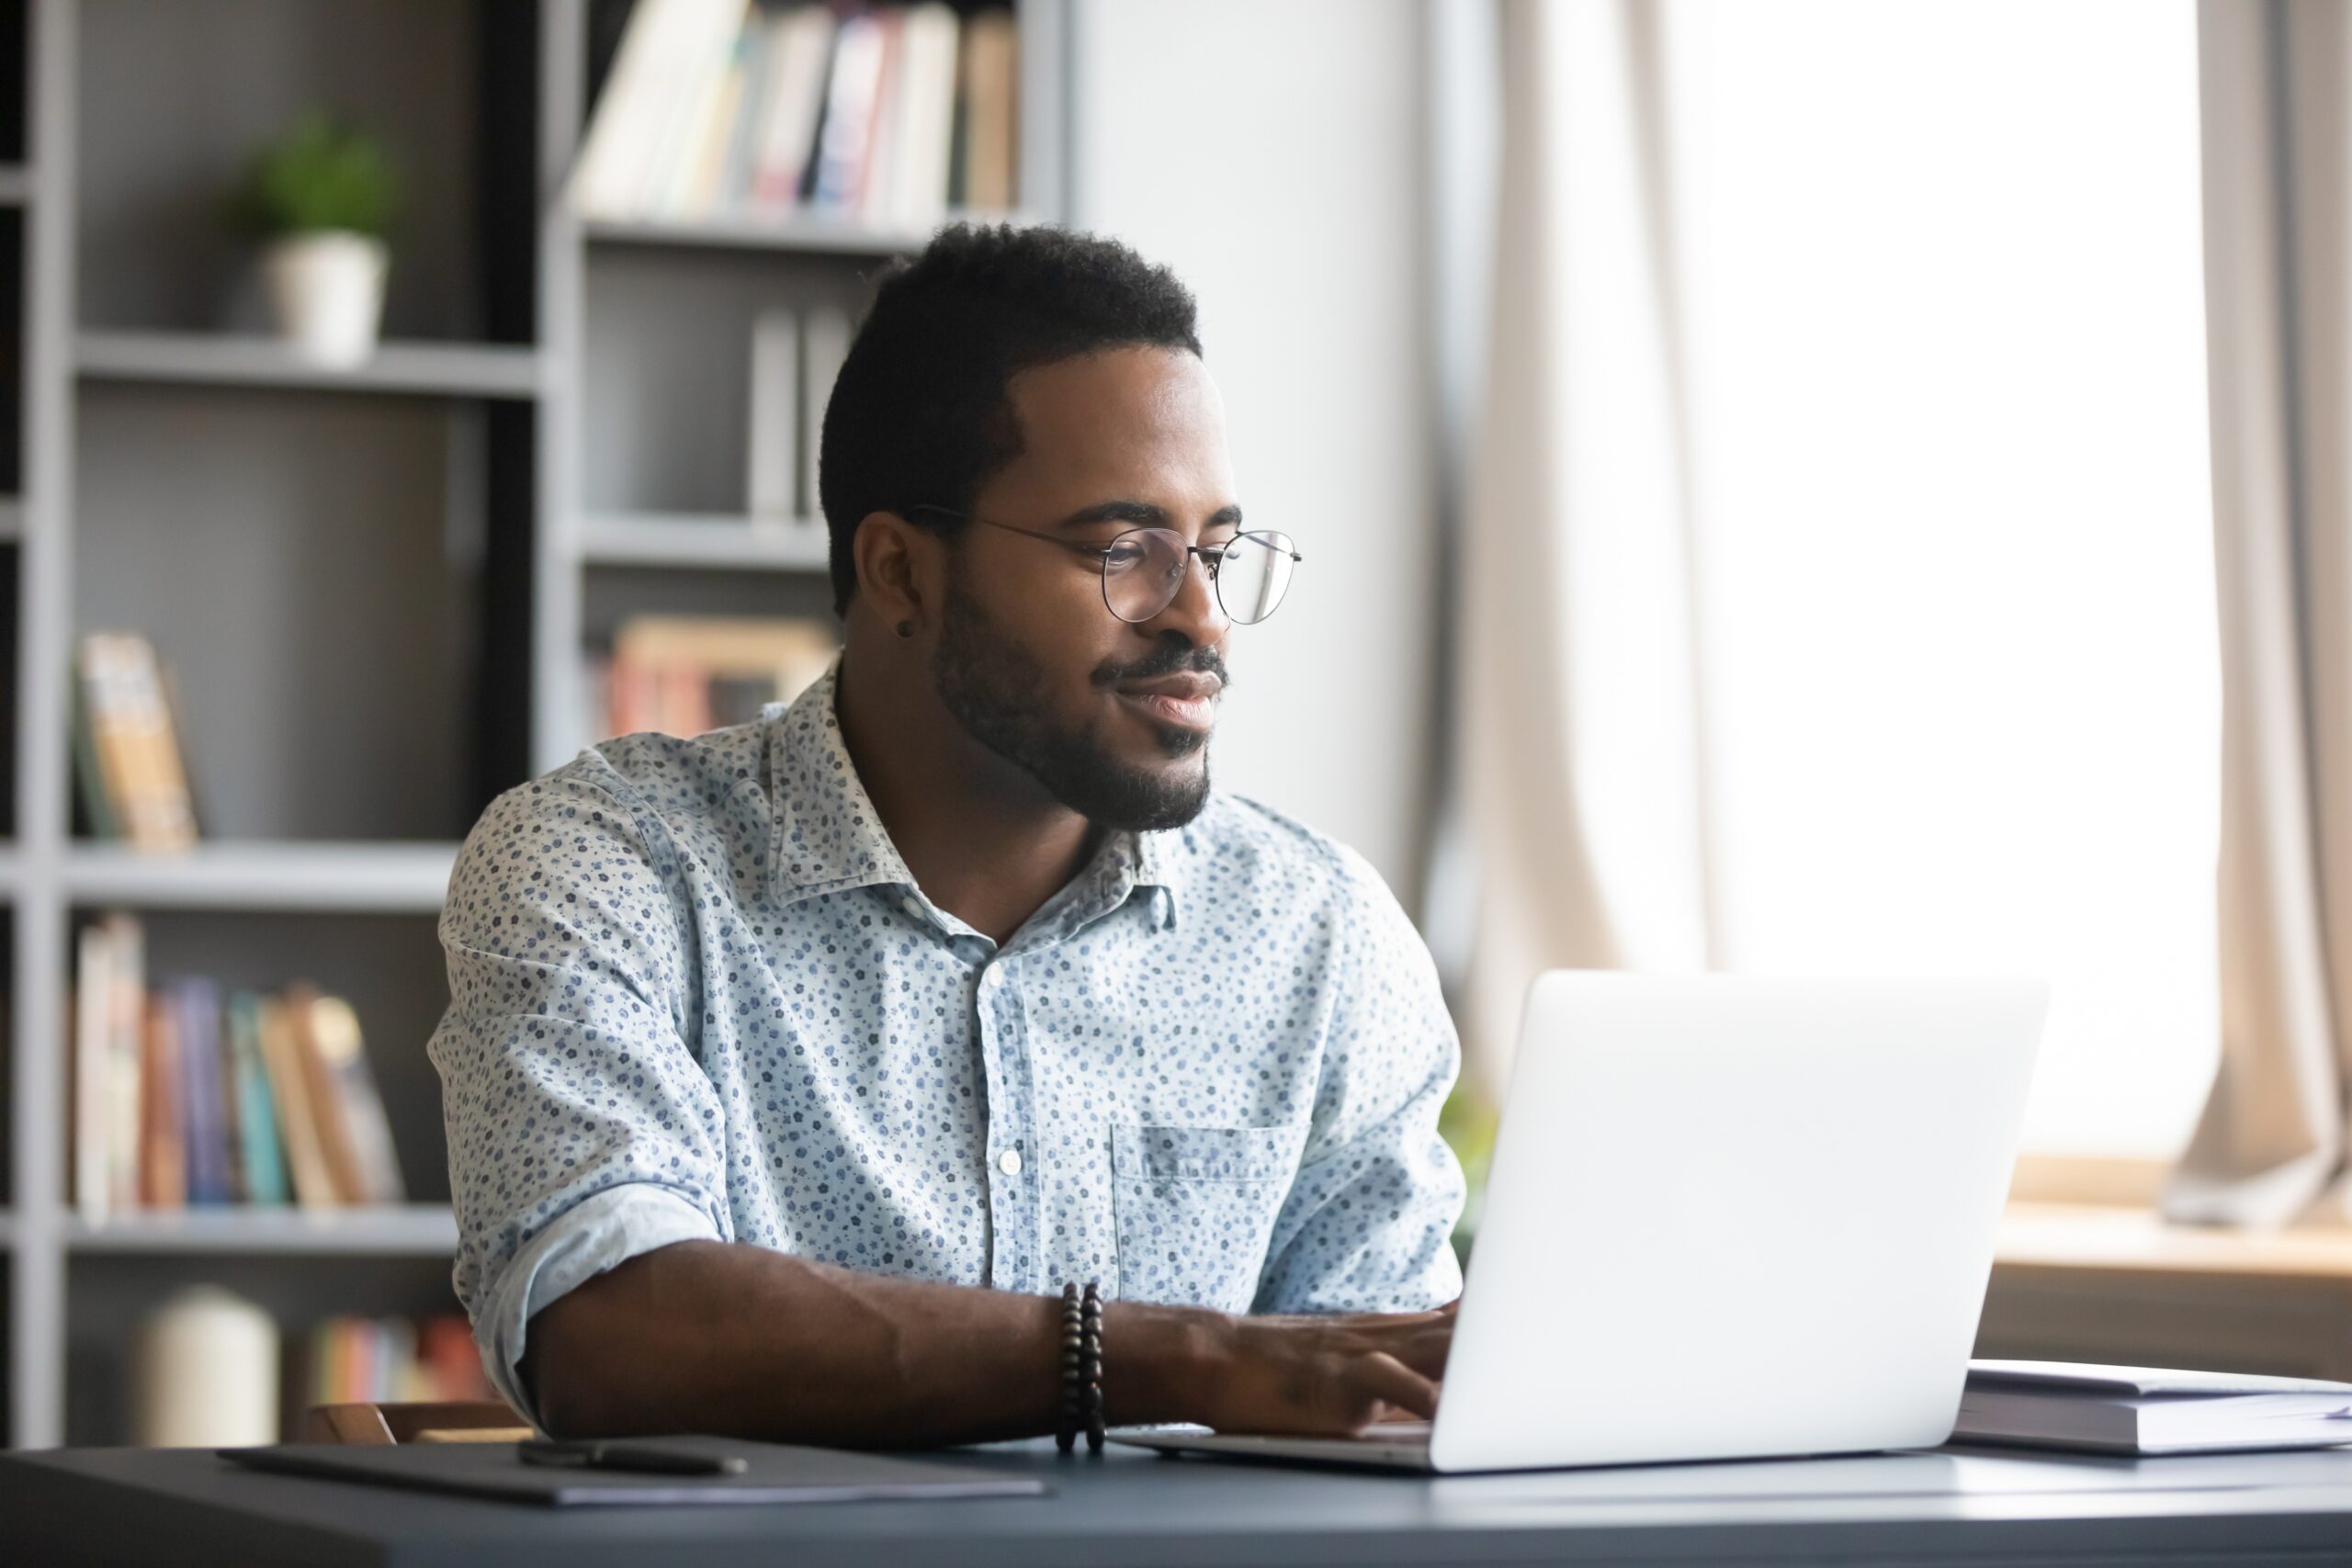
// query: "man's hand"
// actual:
[[731, 1339], [1314, 1376]]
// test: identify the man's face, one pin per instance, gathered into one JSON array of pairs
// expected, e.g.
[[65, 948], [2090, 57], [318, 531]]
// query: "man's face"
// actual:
[[1112, 718]]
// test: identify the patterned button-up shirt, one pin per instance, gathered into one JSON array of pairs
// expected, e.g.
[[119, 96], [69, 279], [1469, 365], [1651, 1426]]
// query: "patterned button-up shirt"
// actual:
[[695, 992]]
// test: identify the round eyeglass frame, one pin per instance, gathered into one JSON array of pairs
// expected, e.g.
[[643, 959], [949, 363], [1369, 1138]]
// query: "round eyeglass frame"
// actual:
[[1211, 555]]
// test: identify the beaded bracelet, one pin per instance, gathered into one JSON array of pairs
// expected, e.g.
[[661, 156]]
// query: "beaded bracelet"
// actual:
[[1081, 1369]]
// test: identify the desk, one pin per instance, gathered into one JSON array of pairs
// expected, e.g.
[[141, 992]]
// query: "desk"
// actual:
[[1133, 1510]]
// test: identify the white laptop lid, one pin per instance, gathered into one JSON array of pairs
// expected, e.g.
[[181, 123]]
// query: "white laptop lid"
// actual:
[[1732, 1216]]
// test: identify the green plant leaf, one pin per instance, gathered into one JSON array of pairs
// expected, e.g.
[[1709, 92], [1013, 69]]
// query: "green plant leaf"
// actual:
[[321, 174]]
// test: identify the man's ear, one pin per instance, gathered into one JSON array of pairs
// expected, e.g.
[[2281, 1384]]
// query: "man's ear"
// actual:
[[898, 569]]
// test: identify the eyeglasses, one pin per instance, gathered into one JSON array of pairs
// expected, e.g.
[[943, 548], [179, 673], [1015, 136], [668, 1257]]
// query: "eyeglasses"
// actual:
[[1143, 568]]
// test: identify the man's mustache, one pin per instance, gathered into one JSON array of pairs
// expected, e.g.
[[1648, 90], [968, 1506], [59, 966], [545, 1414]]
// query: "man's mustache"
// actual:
[[1173, 656]]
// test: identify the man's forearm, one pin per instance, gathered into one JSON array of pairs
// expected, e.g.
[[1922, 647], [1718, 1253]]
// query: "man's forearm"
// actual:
[[713, 1336]]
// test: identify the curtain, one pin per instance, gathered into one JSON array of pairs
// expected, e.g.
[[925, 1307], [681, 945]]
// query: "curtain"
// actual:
[[1582, 764], [2274, 79]]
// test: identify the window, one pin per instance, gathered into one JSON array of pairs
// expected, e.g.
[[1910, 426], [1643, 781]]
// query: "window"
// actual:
[[1941, 268]]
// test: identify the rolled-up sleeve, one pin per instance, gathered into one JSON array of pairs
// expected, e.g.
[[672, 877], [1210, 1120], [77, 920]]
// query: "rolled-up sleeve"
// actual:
[[1369, 1221], [582, 1130]]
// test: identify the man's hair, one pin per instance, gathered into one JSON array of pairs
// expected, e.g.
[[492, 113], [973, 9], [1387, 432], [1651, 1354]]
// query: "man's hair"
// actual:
[[920, 413]]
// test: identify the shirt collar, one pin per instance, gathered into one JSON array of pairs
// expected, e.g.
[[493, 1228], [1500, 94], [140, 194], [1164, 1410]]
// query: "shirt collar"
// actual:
[[825, 836]]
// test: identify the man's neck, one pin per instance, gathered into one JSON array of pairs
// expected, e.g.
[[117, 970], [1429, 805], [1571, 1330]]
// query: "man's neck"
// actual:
[[982, 840]]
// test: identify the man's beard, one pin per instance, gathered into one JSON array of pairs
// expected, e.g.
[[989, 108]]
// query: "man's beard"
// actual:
[[999, 695]]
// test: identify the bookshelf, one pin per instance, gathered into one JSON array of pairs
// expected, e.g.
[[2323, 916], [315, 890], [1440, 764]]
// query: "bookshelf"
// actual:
[[805, 236], [374, 586], [259, 874], [422, 1230], [427, 369], [740, 543]]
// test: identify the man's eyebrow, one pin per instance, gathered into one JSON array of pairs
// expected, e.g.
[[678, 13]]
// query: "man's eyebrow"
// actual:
[[1142, 514]]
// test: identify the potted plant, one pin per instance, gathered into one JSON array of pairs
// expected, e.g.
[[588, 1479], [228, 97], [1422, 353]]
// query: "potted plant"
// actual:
[[321, 197]]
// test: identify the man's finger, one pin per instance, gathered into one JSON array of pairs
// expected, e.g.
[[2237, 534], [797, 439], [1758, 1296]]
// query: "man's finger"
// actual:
[[1385, 1378], [1425, 1349]]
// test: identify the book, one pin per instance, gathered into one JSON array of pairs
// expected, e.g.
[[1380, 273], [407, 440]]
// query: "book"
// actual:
[[853, 91], [194, 1007], [143, 781], [756, 53], [2147, 1410], [397, 1374], [260, 1155], [610, 171], [986, 179], [693, 184], [98, 820], [289, 1086], [801, 51], [772, 442], [922, 118], [684, 674], [351, 1358], [126, 1029], [696, 66], [353, 1137], [335, 1034], [870, 199], [881, 115], [163, 1141], [93, 1070], [183, 1095], [450, 1363], [824, 344]]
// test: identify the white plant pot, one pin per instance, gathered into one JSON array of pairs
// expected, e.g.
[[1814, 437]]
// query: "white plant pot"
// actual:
[[327, 289]]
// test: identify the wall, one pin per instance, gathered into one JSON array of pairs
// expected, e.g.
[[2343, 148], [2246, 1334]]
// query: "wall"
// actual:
[[1270, 155]]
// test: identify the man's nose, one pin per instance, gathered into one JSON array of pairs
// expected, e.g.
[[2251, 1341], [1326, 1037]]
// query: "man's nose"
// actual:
[[1194, 613]]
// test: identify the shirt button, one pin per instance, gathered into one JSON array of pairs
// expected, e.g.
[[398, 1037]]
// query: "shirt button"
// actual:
[[1009, 1162], [993, 977]]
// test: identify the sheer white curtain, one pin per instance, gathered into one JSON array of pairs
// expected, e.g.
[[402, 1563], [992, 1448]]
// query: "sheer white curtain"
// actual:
[[2278, 147], [1581, 766]]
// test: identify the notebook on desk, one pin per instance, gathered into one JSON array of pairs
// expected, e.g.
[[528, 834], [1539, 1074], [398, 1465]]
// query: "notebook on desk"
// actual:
[[771, 1472], [2148, 1410]]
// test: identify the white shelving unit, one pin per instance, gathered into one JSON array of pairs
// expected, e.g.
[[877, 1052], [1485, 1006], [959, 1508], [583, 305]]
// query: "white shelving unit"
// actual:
[[419, 1230], [431, 370], [594, 550], [744, 543], [316, 877], [803, 236], [377, 584]]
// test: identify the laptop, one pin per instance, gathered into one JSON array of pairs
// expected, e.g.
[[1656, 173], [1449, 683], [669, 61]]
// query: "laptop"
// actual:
[[1728, 1217]]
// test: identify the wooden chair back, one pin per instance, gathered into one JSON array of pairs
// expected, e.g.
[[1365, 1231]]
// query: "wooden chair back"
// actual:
[[444, 1421]]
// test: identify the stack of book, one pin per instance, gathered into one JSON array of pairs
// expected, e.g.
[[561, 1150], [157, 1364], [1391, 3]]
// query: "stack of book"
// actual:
[[126, 747], [184, 1094], [2148, 1410], [684, 674], [885, 117], [795, 359], [373, 1360]]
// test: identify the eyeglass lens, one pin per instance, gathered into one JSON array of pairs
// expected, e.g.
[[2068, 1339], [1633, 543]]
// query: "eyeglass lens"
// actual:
[[1143, 569]]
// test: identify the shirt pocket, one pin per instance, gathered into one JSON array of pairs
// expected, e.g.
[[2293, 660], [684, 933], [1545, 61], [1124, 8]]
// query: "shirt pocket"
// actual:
[[1196, 1207]]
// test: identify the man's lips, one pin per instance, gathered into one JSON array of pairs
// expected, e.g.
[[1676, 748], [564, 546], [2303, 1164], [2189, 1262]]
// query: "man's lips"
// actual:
[[1187, 700]]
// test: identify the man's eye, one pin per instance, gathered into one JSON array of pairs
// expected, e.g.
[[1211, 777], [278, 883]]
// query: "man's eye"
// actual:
[[1122, 556]]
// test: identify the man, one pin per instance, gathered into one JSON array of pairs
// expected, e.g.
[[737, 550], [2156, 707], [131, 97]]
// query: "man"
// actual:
[[792, 1071]]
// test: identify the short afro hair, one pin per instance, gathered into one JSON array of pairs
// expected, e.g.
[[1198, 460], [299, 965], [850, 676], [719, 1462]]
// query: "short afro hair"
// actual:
[[920, 415]]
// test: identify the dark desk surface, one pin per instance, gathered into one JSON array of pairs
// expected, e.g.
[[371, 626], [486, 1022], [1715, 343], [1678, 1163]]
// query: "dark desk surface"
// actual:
[[102, 1505]]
